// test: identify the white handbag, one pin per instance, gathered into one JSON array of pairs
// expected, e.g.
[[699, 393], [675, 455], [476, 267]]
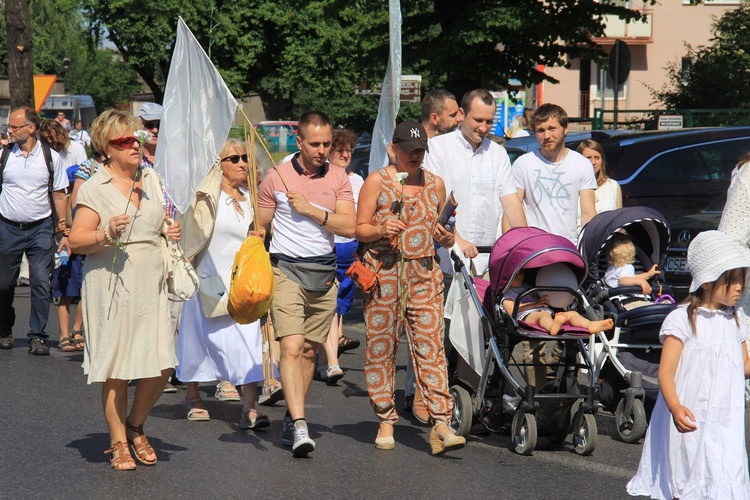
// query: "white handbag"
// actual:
[[181, 278], [214, 294]]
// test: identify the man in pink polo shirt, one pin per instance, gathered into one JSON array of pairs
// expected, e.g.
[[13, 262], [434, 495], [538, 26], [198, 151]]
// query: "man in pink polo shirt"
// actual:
[[308, 202]]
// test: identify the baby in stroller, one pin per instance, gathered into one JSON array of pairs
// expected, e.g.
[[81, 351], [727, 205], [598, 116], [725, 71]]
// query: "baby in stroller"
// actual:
[[534, 310], [621, 257]]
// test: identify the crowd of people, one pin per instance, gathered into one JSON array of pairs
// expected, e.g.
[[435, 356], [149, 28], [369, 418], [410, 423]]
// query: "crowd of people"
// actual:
[[104, 219]]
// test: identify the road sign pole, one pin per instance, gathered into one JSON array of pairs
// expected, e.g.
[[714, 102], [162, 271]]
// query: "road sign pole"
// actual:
[[616, 48]]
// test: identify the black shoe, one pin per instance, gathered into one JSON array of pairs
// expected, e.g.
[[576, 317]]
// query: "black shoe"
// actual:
[[347, 344], [37, 348], [6, 342]]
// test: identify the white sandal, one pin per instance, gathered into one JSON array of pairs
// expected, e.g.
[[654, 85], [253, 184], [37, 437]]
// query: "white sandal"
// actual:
[[196, 414]]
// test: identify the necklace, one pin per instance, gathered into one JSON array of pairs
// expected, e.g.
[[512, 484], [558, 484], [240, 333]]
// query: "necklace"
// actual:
[[238, 210]]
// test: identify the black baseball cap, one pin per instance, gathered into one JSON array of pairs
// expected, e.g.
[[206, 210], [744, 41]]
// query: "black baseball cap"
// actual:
[[410, 135]]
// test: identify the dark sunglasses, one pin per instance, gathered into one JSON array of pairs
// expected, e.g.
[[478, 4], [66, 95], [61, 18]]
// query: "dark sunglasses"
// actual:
[[152, 124], [235, 158], [124, 142]]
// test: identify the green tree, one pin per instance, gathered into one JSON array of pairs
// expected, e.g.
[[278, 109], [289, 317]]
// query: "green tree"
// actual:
[[724, 66], [317, 52]]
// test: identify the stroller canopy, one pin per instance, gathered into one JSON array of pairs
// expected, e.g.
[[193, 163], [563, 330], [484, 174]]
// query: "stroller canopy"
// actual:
[[646, 227], [530, 248]]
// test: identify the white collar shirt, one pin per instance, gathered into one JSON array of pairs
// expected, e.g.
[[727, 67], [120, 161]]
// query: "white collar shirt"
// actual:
[[25, 189], [478, 180], [81, 136]]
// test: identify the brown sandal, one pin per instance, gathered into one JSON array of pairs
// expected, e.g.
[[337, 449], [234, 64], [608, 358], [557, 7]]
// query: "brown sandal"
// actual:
[[66, 344], [143, 449], [78, 339], [119, 457]]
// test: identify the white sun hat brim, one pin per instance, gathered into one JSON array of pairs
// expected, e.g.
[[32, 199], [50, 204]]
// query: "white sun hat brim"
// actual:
[[710, 255]]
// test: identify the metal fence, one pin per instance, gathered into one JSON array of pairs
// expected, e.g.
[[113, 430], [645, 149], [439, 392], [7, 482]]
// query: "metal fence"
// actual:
[[647, 119]]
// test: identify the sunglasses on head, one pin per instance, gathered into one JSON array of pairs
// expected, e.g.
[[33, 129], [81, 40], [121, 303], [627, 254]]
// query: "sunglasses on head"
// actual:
[[235, 158], [152, 124], [124, 142]]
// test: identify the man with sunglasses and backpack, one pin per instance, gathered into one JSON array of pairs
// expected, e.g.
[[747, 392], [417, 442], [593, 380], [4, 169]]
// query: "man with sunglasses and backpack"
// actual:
[[32, 194]]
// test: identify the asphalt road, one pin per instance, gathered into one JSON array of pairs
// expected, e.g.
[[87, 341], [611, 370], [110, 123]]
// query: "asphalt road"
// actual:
[[53, 436]]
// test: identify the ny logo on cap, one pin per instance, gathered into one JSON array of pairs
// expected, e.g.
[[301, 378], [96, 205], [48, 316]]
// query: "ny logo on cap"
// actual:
[[415, 132]]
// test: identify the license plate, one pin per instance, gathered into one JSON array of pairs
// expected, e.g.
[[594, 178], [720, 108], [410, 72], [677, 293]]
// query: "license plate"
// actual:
[[676, 264]]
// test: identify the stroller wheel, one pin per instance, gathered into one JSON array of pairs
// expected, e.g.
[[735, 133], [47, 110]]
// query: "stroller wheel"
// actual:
[[463, 413], [584, 437], [632, 427], [524, 433]]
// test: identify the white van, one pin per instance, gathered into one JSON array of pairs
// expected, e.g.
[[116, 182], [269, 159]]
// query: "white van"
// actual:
[[75, 107]]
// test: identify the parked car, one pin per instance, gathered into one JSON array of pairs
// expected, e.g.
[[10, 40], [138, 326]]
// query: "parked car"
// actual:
[[277, 133], [677, 172], [683, 230], [522, 145]]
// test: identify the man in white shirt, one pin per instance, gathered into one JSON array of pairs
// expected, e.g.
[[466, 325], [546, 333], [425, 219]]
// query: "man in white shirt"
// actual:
[[27, 199], [79, 135], [552, 181], [478, 172]]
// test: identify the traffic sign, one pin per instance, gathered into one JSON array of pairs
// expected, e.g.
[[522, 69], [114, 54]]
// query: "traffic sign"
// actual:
[[42, 88], [619, 62]]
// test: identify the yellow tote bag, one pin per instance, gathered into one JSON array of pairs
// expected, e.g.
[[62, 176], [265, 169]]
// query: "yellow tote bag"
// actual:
[[252, 285]]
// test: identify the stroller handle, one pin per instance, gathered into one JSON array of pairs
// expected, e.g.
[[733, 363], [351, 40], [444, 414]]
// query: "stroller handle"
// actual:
[[613, 292]]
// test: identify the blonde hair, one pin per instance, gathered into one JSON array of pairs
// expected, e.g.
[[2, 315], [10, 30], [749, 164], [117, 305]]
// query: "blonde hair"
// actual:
[[620, 251], [111, 124]]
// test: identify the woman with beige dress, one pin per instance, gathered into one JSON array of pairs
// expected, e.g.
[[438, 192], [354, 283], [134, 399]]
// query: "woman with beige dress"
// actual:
[[129, 334]]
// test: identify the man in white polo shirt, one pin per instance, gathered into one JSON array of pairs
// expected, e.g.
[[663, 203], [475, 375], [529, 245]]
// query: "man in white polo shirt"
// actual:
[[308, 203], [26, 225]]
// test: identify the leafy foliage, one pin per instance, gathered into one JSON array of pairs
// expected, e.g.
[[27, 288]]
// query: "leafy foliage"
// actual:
[[315, 53], [726, 61]]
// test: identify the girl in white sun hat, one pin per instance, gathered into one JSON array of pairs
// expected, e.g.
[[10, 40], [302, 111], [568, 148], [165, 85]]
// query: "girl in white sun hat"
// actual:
[[695, 445]]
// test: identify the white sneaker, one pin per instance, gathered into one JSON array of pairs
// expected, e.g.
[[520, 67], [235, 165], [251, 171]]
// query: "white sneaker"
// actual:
[[302, 442]]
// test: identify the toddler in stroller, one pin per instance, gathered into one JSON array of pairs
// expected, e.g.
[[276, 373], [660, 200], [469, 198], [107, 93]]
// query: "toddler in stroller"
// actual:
[[621, 256], [534, 310], [626, 357], [503, 399]]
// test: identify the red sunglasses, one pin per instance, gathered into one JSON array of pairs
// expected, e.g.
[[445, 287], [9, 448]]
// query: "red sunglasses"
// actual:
[[124, 142]]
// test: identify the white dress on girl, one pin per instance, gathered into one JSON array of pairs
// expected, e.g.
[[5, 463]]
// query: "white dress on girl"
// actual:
[[710, 462], [219, 348]]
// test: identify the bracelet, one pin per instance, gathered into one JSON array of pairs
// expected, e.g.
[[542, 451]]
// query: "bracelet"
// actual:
[[109, 237], [325, 219], [96, 237]]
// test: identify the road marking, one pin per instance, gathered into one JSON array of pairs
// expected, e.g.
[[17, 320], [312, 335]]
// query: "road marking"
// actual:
[[563, 459]]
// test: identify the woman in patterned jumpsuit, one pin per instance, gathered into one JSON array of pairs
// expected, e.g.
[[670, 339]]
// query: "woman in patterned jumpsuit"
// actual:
[[397, 220]]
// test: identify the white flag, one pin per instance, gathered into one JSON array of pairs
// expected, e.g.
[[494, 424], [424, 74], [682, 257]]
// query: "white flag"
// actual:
[[197, 116], [390, 97]]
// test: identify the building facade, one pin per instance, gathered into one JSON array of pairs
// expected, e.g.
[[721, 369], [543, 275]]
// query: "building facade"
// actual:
[[653, 44]]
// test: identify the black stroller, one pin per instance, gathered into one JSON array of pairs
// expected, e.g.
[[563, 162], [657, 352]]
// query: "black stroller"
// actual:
[[501, 398], [627, 357]]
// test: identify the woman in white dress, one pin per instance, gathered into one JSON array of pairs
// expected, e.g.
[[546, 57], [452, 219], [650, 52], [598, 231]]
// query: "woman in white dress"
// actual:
[[218, 348], [608, 196]]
